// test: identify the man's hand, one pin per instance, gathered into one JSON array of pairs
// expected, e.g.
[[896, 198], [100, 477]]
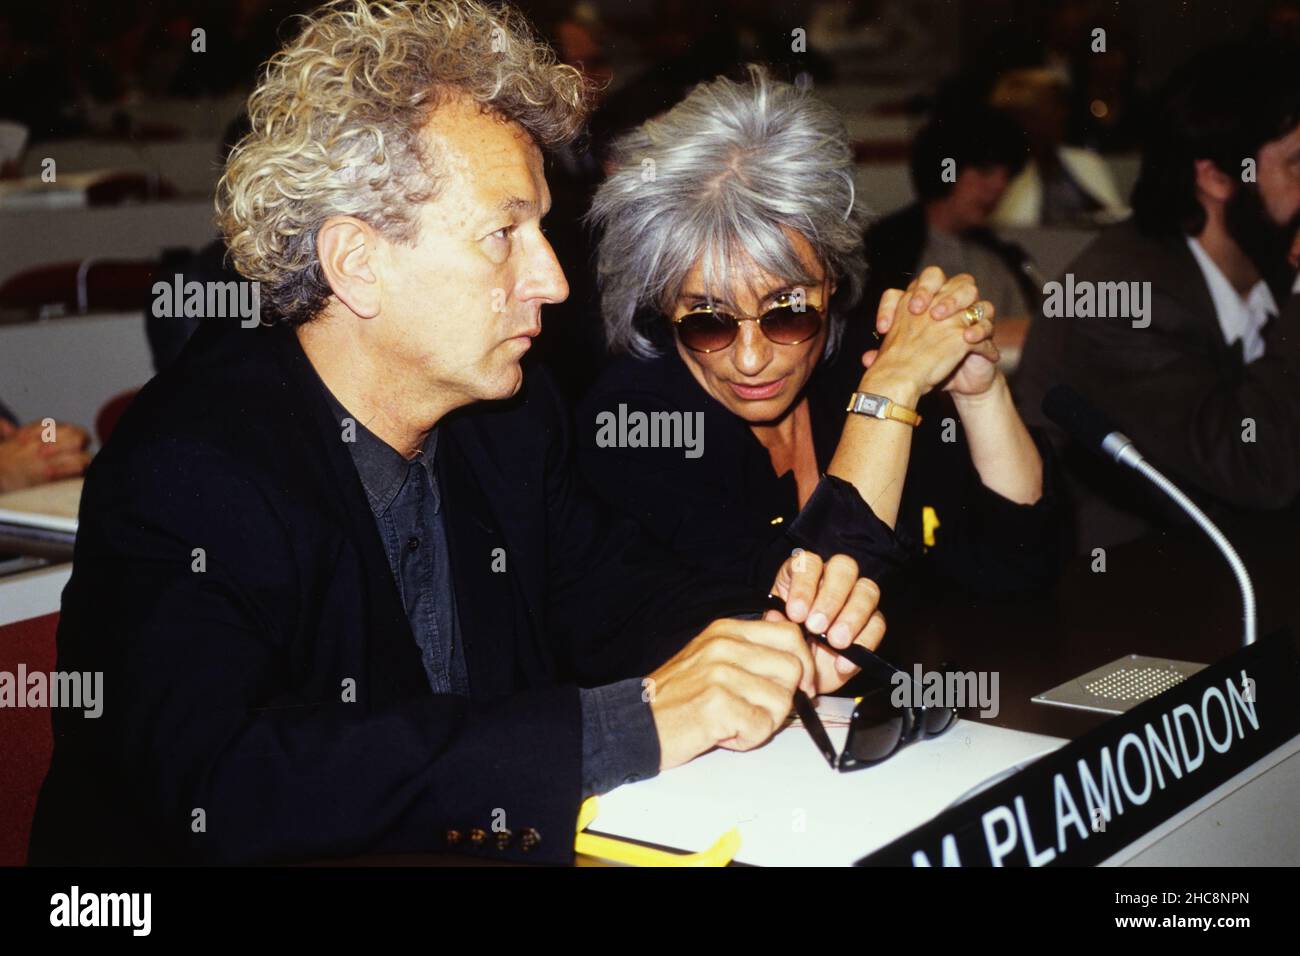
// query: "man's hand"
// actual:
[[828, 597], [732, 686]]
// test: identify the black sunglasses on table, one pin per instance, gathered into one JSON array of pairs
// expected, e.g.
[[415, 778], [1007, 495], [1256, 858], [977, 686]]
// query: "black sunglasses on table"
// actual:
[[877, 729]]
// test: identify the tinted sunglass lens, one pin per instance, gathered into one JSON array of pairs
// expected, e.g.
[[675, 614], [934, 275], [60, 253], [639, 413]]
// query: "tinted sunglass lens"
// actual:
[[877, 728], [939, 719], [787, 326], [706, 331]]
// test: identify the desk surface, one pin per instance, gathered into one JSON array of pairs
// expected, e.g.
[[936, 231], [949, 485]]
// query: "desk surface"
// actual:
[[1170, 595], [791, 809]]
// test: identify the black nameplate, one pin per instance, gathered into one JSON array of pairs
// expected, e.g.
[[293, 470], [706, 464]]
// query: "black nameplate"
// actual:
[[1083, 803]]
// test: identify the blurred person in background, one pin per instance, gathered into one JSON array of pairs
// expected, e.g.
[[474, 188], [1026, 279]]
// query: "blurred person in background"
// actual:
[[1107, 109], [948, 224], [1087, 45], [1061, 185], [1096, 74], [1207, 383], [27, 459]]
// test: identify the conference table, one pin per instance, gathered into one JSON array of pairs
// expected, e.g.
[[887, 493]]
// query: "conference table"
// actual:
[[1169, 595]]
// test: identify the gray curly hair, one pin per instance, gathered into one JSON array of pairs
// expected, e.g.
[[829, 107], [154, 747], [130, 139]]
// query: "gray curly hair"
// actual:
[[714, 179], [337, 120]]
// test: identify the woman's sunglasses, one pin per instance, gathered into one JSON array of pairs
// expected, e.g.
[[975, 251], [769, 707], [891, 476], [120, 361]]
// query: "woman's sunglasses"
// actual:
[[709, 330]]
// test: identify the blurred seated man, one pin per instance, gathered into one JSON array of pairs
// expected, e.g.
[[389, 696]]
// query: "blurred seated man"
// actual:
[[37, 452], [1062, 185], [1202, 369], [961, 163], [336, 568]]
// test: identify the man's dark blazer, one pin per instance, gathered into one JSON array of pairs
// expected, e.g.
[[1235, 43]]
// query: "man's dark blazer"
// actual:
[[264, 699], [1176, 388]]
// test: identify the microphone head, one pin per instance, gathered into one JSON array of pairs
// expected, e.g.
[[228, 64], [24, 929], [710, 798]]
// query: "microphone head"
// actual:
[[1080, 419]]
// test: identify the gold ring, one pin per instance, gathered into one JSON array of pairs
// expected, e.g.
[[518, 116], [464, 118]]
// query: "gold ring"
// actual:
[[973, 314]]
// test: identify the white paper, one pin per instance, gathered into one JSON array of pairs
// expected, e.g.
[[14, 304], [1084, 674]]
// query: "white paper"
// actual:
[[794, 810], [52, 506]]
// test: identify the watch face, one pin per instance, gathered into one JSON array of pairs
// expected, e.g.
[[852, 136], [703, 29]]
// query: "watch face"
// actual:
[[870, 405]]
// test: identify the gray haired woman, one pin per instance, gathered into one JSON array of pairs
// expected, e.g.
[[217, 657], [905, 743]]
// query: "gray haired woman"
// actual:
[[730, 266]]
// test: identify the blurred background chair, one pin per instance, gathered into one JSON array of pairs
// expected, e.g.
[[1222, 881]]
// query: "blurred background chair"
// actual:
[[91, 285], [111, 413], [27, 742]]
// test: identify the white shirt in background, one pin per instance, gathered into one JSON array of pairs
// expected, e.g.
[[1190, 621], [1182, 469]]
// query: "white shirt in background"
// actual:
[[1239, 318]]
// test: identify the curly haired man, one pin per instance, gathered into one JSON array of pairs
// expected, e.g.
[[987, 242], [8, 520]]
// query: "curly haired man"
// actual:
[[345, 592]]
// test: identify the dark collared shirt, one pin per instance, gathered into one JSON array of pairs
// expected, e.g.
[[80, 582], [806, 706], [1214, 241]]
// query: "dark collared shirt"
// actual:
[[407, 506], [620, 743]]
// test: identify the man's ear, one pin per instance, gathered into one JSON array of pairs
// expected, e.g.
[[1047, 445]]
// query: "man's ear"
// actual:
[[346, 248], [1212, 182]]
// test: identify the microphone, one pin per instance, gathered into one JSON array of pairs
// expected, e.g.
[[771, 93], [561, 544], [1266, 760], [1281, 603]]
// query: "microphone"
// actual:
[[1090, 428]]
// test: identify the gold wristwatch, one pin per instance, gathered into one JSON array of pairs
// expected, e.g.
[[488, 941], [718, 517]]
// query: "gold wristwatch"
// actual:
[[877, 406]]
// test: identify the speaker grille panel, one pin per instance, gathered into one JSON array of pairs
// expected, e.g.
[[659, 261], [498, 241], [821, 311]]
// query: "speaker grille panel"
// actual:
[[1121, 684], [1134, 683]]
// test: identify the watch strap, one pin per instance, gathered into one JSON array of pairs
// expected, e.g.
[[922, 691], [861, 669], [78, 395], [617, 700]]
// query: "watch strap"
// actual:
[[878, 406]]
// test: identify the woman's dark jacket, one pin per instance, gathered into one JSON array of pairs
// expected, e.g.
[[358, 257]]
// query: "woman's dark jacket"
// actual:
[[726, 508]]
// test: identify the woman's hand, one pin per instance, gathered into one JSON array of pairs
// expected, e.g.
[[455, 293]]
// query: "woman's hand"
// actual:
[[921, 352], [977, 371], [1001, 450], [830, 598]]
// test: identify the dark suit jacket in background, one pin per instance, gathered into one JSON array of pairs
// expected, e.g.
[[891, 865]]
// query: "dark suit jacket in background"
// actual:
[[1176, 388], [224, 689]]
